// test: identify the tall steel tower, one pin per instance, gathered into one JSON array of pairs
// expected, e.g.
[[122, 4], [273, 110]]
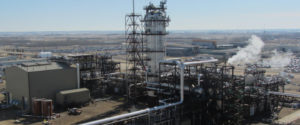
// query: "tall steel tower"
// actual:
[[155, 23], [134, 59]]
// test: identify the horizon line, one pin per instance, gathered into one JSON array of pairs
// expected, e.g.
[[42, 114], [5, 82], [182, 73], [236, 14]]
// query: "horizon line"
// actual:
[[193, 30]]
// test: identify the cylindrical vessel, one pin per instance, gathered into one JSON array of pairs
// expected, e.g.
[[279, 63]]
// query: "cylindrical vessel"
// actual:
[[155, 23], [36, 106], [47, 108]]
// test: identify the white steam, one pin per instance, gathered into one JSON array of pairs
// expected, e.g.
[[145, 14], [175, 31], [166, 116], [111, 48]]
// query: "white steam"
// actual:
[[279, 60], [250, 54]]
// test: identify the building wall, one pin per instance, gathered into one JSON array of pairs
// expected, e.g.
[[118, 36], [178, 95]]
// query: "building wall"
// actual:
[[45, 84], [17, 85]]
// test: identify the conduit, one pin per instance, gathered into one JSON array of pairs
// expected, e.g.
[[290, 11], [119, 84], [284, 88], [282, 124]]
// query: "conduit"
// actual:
[[78, 75], [186, 88]]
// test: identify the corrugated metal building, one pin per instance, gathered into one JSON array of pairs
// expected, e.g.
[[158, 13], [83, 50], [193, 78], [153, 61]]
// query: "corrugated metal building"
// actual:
[[38, 80], [73, 97]]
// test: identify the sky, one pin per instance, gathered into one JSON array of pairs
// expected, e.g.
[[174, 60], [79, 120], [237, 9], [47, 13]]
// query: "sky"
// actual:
[[109, 15]]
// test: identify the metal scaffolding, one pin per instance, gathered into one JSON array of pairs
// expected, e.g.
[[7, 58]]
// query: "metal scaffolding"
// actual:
[[94, 68], [214, 92], [134, 59]]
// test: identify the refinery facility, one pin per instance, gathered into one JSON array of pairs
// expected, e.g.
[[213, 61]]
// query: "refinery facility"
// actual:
[[146, 85]]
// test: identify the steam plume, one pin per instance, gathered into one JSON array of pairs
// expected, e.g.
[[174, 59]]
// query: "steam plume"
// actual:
[[279, 60], [250, 54]]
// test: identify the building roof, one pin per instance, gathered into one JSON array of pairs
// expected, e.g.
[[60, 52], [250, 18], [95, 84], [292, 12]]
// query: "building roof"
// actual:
[[42, 66], [65, 92], [80, 55], [11, 62], [225, 45]]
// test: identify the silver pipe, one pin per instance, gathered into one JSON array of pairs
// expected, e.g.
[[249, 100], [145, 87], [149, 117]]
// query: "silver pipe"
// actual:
[[181, 80], [200, 62], [147, 110], [78, 75], [199, 79], [186, 88], [116, 73], [146, 74], [163, 101]]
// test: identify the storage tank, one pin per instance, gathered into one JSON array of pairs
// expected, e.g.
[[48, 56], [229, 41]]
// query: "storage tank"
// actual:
[[36, 106], [45, 54], [47, 107], [73, 97], [249, 79]]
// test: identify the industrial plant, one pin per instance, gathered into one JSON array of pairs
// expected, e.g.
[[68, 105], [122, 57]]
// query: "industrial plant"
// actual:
[[153, 88]]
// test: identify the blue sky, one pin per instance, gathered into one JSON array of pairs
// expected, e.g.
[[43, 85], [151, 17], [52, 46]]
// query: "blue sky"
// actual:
[[103, 15]]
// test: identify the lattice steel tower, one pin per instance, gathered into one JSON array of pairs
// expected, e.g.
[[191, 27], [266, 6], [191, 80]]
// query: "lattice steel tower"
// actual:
[[134, 59]]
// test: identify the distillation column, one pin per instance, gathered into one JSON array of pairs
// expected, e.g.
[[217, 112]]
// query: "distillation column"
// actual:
[[155, 23]]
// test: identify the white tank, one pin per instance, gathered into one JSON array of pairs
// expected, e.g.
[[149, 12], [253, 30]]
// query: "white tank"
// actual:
[[45, 54]]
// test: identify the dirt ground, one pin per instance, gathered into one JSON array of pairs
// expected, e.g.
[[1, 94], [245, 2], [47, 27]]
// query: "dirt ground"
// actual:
[[290, 118], [93, 111], [96, 110]]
